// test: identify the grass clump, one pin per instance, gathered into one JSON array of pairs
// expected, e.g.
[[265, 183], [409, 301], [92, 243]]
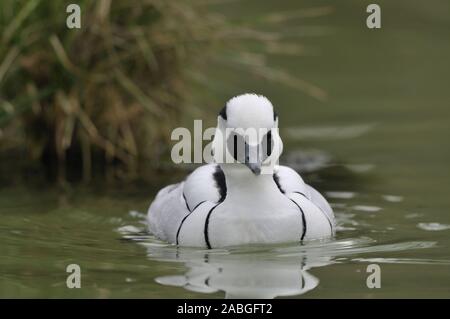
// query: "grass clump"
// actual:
[[106, 95]]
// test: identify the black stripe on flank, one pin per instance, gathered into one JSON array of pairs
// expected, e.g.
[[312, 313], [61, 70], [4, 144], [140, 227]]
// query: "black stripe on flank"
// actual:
[[185, 201], [330, 223], [326, 216], [276, 179], [219, 178], [198, 205], [302, 194], [303, 220], [328, 219], [184, 218], [208, 244]]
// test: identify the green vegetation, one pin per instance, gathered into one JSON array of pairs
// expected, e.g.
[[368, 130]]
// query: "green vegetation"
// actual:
[[102, 95]]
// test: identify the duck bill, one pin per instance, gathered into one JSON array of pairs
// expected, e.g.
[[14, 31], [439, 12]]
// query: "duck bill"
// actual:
[[255, 168], [253, 158]]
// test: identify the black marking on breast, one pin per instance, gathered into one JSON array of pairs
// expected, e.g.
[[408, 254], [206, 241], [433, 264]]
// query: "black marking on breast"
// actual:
[[303, 220], [223, 113], [219, 178], [276, 179], [206, 234], [184, 218]]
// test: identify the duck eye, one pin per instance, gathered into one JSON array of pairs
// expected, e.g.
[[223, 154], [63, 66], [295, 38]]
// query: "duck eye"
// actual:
[[236, 146], [267, 144]]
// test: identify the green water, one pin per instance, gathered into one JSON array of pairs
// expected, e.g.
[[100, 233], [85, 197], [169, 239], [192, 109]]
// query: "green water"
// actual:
[[377, 148]]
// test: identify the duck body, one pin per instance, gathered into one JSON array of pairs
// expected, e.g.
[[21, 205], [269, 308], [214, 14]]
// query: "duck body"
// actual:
[[247, 201], [213, 208]]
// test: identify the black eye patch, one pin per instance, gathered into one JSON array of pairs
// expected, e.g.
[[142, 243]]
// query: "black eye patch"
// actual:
[[237, 147]]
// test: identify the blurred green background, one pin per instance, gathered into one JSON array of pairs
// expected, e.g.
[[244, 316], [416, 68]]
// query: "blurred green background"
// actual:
[[364, 116]]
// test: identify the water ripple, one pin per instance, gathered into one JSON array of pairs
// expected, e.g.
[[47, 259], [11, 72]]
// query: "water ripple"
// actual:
[[261, 271]]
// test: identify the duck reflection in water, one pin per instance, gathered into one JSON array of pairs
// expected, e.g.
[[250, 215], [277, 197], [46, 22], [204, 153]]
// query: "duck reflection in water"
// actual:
[[242, 274]]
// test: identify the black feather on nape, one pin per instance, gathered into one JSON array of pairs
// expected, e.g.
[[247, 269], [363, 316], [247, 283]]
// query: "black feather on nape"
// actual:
[[223, 112], [219, 178], [275, 115]]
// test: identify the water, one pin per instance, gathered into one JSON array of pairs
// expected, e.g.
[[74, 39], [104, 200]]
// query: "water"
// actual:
[[44, 231], [377, 148]]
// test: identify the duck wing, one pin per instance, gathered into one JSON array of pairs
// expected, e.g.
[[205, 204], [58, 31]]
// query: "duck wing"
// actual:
[[206, 183], [174, 203], [290, 182]]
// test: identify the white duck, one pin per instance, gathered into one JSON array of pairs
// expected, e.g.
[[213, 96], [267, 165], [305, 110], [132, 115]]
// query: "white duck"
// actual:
[[248, 201]]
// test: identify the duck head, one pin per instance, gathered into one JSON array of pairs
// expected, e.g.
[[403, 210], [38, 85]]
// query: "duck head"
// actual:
[[247, 134]]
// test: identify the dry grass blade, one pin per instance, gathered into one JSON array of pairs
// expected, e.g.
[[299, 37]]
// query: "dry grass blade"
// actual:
[[279, 17], [273, 74], [137, 93], [8, 61], [18, 20], [282, 76], [62, 55]]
